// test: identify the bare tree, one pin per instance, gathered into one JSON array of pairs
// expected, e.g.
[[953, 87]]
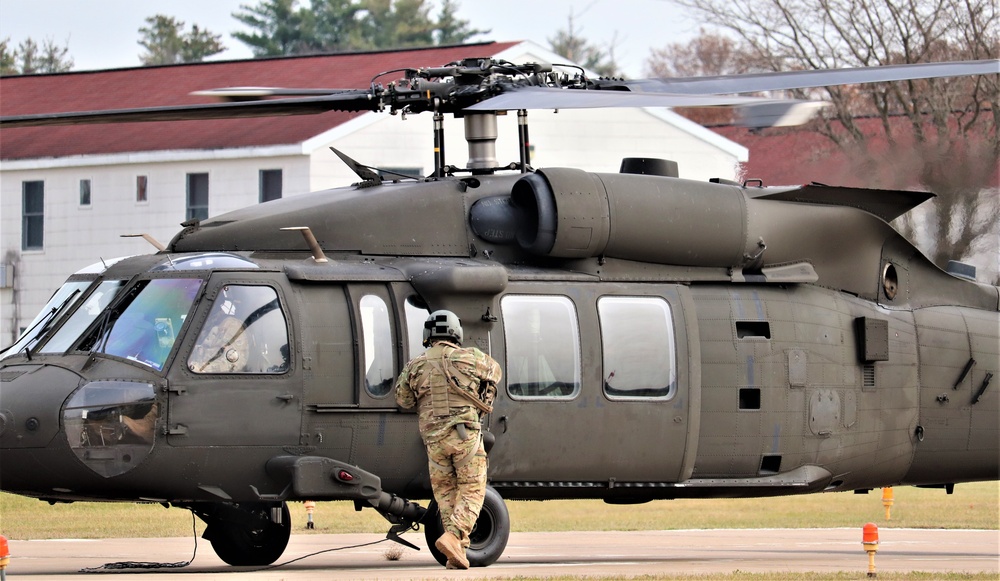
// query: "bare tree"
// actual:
[[570, 43], [708, 54], [942, 133]]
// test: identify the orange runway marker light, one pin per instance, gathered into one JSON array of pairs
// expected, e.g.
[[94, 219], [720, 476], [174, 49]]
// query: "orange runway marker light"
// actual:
[[310, 509], [4, 556], [887, 500], [869, 539]]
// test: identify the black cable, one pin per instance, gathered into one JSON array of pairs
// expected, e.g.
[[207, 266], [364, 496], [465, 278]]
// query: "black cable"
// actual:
[[146, 564], [269, 567], [151, 565]]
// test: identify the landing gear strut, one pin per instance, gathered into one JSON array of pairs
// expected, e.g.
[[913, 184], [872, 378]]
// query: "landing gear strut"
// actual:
[[247, 534]]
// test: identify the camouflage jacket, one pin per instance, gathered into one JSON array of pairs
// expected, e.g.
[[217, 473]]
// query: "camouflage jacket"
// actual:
[[474, 372]]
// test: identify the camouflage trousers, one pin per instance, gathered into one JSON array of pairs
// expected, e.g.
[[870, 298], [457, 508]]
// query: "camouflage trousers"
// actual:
[[458, 479]]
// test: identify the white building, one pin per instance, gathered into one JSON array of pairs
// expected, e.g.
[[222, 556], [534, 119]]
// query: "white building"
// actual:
[[67, 194]]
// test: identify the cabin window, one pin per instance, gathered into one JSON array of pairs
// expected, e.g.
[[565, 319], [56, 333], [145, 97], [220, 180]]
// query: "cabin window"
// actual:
[[32, 215], [245, 332], [637, 339], [270, 184], [197, 196], [416, 315], [142, 327], [84, 192], [543, 346], [380, 359]]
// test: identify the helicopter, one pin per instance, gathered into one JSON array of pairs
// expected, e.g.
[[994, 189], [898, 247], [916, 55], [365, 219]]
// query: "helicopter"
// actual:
[[661, 338]]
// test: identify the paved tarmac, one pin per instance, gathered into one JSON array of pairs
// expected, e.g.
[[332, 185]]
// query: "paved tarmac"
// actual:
[[592, 554]]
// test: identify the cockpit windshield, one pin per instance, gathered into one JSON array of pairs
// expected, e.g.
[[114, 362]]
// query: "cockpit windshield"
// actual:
[[83, 317], [143, 326], [61, 303]]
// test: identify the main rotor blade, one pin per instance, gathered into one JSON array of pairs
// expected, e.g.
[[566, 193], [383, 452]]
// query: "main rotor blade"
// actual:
[[355, 101], [551, 98], [252, 93], [751, 83]]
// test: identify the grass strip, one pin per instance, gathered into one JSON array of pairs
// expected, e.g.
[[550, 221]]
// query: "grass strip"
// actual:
[[972, 506]]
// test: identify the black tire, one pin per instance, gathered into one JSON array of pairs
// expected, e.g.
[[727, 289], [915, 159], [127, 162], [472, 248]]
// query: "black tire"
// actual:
[[488, 538], [255, 546]]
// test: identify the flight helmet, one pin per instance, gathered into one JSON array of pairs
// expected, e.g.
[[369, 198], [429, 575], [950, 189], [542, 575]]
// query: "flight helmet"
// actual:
[[442, 325]]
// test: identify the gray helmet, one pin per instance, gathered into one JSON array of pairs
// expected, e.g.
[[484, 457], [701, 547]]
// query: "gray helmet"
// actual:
[[442, 325]]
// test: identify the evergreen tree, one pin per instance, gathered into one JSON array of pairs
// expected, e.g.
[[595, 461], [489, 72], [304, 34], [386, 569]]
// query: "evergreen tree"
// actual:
[[283, 27], [30, 58], [451, 29], [166, 42]]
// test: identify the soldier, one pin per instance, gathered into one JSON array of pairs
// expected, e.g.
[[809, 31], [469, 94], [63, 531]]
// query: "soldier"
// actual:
[[452, 386]]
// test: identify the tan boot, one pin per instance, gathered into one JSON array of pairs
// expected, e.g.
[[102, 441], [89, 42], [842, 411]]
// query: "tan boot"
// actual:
[[452, 548]]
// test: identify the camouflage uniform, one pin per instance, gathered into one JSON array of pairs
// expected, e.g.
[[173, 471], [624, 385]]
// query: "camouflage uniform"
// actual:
[[451, 429]]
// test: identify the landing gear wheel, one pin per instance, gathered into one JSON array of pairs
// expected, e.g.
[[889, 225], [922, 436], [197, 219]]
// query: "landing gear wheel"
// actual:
[[258, 541], [488, 538]]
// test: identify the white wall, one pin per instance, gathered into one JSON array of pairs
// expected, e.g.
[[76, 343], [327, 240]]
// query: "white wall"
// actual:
[[593, 140], [76, 236]]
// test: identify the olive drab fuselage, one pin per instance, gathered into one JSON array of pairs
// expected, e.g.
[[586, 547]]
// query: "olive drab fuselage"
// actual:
[[659, 338]]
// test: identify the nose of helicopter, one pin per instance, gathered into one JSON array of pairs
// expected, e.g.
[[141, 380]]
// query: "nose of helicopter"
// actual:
[[31, 397], [31, 400]]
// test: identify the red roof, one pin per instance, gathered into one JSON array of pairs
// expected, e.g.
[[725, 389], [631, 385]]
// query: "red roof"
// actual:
[[171, 85], [799, 155]]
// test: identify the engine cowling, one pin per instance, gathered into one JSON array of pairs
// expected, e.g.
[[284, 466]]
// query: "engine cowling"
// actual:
[[570, 213]]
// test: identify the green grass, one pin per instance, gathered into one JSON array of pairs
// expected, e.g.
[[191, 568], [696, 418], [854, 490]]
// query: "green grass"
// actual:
[[972, 506]]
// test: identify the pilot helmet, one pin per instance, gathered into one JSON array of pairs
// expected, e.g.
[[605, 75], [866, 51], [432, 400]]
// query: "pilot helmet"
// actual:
[[442, 325]]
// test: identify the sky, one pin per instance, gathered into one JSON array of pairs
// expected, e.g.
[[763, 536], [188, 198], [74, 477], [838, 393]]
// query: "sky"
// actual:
[[104, 34]]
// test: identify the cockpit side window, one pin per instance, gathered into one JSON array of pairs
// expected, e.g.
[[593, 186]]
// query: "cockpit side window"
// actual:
[[245, 332], [142, 326]]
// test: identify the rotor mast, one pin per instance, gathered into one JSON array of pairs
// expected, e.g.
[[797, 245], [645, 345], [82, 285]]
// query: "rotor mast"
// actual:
[[481, 135]]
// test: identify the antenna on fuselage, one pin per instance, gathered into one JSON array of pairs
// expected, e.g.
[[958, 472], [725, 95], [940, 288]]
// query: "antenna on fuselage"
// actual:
[[156, 243], [317, 252]]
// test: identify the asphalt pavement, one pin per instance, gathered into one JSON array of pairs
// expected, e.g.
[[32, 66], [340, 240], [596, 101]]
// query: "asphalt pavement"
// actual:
[[591, 554]]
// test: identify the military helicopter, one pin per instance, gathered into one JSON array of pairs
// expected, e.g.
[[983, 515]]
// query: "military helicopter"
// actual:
[[660, 338]]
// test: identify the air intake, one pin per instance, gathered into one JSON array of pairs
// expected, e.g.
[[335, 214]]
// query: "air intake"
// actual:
[[650, 166]]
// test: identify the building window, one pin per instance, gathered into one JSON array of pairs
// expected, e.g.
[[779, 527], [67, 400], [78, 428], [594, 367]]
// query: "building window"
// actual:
[[270, 184], [32, 215], [543, 346], [84, 192], [140, 188], [637, 339], [197, 196]]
